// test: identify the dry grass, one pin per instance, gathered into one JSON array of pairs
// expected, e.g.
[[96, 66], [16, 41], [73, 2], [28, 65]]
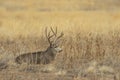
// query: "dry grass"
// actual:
[[29, 21], [84, 56], [32, 23], [82, 46], [91, 43]]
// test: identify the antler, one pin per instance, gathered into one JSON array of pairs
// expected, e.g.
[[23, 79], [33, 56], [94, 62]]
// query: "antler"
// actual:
[[54, 32], [57, 38], [49, 36]]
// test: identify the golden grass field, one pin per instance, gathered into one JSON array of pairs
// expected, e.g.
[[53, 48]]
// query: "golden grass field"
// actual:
[[25, 23], [91, 42]]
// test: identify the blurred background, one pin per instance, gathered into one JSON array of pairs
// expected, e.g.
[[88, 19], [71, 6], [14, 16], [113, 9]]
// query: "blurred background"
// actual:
[[29, 17]]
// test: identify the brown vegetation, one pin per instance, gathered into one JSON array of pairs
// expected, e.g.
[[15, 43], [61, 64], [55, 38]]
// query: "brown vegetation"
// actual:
[[91, 45], [84, 56]]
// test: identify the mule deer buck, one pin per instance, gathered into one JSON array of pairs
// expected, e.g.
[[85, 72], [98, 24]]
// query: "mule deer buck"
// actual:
[[43, 57]]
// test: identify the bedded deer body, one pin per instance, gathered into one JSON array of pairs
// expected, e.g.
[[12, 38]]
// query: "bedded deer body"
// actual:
[[42, 57]]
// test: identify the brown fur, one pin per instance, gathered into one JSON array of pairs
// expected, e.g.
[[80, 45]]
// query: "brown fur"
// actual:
[[43, 57]]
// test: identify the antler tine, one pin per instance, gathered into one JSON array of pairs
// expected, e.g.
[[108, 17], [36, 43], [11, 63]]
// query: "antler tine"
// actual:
[[49, 33], [46, 32], [54, 32], [48, 36], [59, 36]]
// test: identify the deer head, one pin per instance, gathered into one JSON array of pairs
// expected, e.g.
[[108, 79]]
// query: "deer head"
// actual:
[[54, 40]]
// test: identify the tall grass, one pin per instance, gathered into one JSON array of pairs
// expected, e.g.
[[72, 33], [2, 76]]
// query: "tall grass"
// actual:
[[79, 50]]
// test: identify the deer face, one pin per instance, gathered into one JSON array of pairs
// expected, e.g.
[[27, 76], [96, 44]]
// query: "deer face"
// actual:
[[56, 48]]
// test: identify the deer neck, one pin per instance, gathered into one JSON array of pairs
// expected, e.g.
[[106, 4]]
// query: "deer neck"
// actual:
[[50, 52]]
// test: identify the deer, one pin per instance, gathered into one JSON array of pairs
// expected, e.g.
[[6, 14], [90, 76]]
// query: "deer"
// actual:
[[46, 56]]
